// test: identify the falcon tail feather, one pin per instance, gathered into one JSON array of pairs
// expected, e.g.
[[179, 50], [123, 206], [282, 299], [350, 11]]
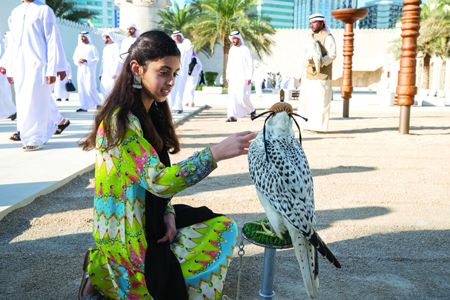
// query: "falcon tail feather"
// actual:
[[323, 249]]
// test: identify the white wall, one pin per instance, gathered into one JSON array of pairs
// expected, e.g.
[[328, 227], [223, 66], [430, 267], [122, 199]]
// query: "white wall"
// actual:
[[371, 51]]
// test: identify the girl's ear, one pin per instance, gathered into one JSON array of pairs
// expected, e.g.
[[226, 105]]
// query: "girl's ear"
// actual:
[[136, 69]]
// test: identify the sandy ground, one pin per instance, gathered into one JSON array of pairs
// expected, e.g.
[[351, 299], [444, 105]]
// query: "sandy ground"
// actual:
[[382, 203]]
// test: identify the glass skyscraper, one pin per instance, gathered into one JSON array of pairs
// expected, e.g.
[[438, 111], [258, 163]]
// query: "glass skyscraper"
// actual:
[[281, 12], [295, 13], [107, 12], [382, 14]]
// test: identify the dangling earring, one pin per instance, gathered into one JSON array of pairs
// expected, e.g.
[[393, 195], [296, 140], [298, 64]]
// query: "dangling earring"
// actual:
[[137, 82]]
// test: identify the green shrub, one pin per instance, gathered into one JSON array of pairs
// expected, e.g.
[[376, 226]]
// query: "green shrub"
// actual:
[[210, 77]]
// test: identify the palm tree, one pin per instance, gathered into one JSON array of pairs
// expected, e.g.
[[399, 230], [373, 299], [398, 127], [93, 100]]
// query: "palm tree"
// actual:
[[434, 38], [219, 17], [177, 18], [67, 9]]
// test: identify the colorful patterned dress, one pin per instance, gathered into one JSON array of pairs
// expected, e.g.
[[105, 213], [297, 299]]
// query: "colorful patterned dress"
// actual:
[[122, 175]]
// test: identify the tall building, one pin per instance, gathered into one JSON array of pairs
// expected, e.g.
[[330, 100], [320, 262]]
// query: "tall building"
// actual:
[[107, 12], [309, 7], [295, 13], [280, 12], [382, 14]]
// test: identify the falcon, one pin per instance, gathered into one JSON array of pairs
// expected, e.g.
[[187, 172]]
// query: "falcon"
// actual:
[[284, 185]]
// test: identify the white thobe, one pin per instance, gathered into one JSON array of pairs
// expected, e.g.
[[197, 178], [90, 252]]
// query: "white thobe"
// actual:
[[86, 75], [7, 106], [60, 91], [315, 95], [110, 68], [177, 93], [35, 52], [258, 79], [239, 69], [191, 83], [125, 45]]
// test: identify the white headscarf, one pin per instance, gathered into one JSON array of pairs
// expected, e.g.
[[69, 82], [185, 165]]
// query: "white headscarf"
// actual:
[[319, 17], [137, 33], [237, 34], [86, 34], [175, 33], [111, 35], [316, 17]]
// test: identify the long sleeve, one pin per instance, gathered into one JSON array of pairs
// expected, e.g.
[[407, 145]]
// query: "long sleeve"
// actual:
[[2, 48], [248, 63], [135, 161], [229, 63], [76, 56], [56, 58], [93, 56], [330, 45], [8, 57], [117, 62]]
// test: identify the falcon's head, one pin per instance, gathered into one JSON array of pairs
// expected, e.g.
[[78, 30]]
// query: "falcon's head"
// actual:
[[279, 125], [279, 122]]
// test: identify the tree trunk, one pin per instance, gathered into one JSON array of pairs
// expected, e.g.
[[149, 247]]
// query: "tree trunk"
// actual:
[[426, 72], [226, 50]]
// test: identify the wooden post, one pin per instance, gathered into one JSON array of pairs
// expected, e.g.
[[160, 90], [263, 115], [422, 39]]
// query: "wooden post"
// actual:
[[348, 16], [406, 86]]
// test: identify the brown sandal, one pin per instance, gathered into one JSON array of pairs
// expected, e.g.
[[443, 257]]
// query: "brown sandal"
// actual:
[[15, 136], [63, 126]]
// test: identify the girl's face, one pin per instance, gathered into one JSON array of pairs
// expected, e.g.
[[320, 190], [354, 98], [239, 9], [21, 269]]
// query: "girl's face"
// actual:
[[159, 78]]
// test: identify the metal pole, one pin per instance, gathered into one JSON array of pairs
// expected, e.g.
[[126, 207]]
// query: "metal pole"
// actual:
[[404, 119], [266, 292]]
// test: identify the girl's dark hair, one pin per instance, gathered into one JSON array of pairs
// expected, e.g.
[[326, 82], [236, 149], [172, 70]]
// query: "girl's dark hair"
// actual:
[[157, 124]]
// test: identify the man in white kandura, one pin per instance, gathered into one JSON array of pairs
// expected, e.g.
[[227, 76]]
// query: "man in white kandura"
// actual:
[[35, 57], [86, 59], [315, 89], [176, 95], [195, 67], [258, 78], [239, 77], [133, 34], [7, 106], [111, 64]]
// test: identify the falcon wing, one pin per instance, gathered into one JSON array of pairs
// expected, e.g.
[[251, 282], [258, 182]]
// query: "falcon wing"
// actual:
[[284, 180]]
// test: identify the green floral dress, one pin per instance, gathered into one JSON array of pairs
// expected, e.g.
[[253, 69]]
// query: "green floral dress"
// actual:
[[122, 175]]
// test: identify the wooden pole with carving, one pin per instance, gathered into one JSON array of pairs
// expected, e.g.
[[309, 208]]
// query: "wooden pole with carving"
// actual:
[[406, 86], [348, 16]]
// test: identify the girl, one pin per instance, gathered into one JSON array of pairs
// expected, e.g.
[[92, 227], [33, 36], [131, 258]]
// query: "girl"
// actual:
[[134, 222]]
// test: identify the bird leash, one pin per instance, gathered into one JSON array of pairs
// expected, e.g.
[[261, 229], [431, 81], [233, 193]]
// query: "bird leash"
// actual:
[[241, 253]]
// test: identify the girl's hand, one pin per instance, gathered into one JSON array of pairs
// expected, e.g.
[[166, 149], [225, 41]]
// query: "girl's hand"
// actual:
[[234, 145], [171, 229]]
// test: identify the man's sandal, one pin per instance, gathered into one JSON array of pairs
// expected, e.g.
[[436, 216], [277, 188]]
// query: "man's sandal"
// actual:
[[63, 126], [15, 136], [29, 148]]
